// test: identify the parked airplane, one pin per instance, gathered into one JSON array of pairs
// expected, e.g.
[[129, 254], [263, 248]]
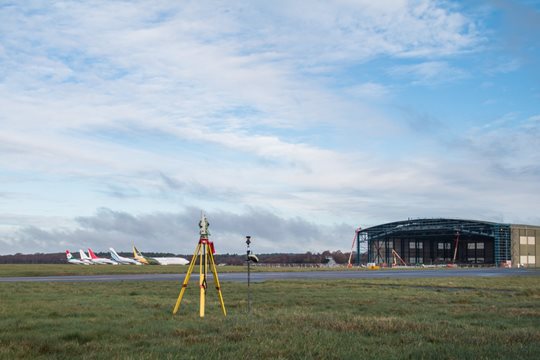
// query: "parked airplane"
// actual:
[[99, 260], [71, 259], [122, 260], [158, 260]]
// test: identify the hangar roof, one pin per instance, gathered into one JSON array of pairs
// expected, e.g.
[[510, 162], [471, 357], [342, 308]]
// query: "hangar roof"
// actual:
[[434, 227]]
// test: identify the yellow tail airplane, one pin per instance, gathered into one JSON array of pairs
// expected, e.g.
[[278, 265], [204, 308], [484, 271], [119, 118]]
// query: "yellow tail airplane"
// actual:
[[137, 255]]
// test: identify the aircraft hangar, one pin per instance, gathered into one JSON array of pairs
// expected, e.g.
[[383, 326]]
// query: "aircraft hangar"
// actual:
[[450, 241]]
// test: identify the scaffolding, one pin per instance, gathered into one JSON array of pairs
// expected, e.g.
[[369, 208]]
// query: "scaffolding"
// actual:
[[361, 244], [503, 245]]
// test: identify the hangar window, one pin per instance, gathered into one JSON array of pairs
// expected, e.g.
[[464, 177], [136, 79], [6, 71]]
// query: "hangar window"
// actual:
[[480, 260], [523, 259], [412, 245], [532, 259], [530, 240], [477, 246], [523, 240], [420, 245]]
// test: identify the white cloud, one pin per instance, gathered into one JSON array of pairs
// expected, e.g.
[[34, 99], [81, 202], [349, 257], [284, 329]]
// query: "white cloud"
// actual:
[[431, 72], [505, 146], [369, 90]]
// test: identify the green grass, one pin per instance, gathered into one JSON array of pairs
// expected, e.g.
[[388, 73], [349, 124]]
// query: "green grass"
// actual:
[[455, 318], [9, 270], [14, 270]]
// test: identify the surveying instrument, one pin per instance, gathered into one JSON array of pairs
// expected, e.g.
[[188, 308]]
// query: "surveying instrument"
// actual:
[[205, 252]]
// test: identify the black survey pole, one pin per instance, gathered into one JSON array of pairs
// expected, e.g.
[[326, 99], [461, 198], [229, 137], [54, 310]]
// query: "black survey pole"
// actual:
[[248, 252]]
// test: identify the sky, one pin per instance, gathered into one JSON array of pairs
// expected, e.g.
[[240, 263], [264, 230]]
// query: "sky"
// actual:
[[294, 122]]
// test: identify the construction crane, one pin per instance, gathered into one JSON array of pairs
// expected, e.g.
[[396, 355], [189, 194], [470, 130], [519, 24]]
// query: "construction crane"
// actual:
[[456, 243], [396, 256], [349, 265]]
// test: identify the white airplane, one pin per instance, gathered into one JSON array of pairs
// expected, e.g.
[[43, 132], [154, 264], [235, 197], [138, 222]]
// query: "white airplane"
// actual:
[[99, 260], [122, 260], [71, 259], [158, 260]]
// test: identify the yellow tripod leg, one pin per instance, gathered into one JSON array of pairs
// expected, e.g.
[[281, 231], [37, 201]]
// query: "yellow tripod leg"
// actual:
[[202, 281], [216, 281], [186, 279]]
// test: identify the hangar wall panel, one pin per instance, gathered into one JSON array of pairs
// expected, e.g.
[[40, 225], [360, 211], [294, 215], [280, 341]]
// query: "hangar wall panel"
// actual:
[[526, 245]]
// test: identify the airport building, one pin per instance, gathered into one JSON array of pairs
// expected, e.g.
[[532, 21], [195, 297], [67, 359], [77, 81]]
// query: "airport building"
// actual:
[[450, 241]]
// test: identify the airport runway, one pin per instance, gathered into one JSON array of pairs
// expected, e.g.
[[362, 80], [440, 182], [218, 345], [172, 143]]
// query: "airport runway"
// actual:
[[314, 275]]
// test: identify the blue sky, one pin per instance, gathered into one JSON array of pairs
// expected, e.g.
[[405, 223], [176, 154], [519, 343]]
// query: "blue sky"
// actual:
[[294, 122]]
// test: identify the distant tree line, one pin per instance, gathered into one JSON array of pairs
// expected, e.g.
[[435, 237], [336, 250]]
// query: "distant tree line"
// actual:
[[229, 259], [38, 258], [287, 258]]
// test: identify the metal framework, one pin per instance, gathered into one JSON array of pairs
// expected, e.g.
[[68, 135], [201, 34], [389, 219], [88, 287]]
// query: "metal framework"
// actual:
[[436, 241]]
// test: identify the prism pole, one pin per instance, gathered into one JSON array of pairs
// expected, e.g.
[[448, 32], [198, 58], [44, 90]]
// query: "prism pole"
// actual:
[[248, 252]]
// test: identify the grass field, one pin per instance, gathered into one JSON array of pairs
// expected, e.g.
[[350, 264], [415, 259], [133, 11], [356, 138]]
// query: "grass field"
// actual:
[[456, 318], [68, 269], [8, 270]]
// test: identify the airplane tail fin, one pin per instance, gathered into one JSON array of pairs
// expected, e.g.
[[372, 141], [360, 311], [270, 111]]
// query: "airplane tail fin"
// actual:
[[140, 257], [68, 255], [114, 254], [136, 252], [91, 253]]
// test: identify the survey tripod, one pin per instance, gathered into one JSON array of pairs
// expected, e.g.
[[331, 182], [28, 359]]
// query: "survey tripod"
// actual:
[[205, 252]]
